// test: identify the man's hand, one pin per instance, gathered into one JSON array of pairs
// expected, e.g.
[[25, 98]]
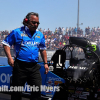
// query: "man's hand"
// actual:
[[11, 62], [46, 68], [44, 57], [8, 54]]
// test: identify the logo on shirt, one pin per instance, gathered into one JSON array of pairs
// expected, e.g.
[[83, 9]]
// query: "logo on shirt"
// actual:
[[30, 43], [38, 36], [23, 34]]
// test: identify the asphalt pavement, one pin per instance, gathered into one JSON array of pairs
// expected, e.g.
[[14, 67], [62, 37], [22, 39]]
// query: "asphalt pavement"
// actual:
[[8, 97]]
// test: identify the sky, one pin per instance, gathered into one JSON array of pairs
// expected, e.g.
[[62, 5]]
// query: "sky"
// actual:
[[52, 13]]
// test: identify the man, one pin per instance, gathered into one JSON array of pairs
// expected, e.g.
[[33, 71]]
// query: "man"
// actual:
[[27, 42]]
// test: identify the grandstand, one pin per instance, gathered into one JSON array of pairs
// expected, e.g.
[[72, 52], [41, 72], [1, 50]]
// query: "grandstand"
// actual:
[[59, 38]]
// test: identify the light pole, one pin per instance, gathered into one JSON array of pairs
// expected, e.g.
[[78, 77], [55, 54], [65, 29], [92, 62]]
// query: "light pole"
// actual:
[[78, 16]]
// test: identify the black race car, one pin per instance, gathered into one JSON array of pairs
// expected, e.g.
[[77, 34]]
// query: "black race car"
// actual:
[[82, 74]]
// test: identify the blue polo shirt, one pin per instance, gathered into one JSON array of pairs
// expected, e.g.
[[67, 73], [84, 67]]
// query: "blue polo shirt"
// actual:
[[30, 45]]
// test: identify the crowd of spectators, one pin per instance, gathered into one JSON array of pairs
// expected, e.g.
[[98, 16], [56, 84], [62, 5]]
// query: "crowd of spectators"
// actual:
[[59, 38], [3, 34]]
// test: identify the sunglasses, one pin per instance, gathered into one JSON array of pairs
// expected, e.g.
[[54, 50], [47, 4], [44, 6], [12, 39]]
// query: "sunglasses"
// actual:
[[33, 22]]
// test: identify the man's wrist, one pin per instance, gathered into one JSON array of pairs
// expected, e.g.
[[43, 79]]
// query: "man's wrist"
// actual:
[[9, 57], [45, 63]]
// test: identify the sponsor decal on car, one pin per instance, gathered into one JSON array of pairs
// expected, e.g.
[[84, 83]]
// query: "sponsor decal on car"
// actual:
[[82, 96], [54, 79], [57, 82], [85, 93], [4, 78], [87, 89], [71, 91], [49, 82], [78, 92], [79, 88]]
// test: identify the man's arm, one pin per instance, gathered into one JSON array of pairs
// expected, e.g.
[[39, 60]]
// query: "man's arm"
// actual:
[[8, 54], [44, 57]]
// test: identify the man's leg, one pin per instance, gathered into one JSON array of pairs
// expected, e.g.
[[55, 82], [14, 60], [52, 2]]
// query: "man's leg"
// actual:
[[18, 79], [34, 80]]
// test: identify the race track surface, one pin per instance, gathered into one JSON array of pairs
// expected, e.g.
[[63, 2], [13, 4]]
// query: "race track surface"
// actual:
[[8, 97]]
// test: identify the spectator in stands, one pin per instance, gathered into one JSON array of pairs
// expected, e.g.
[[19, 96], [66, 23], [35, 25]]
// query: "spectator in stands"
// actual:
[[70, 30], [63, 30]]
